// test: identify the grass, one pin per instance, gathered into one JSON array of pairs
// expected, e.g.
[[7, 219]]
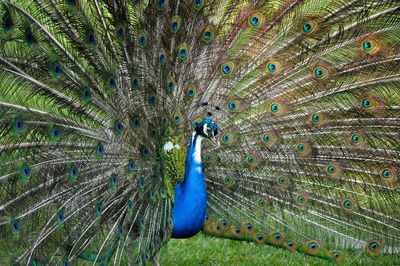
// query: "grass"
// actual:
[[204, 250]]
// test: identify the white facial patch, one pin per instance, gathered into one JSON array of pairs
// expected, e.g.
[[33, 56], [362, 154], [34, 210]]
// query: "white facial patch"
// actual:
[[169, 146], [197, 148]]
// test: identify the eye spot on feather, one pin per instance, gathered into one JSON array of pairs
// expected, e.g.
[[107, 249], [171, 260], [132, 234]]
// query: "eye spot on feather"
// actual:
[[313, 247], [271, 67], [54, 133], [276, 108], [303, 149], [237, 232], [301, 200], [268, 138], [130, 206], [252, 160], [208, 157], [170, 83], [121, 32], [131, 166], [112, 82], [191, 91], [283, 181], [99, 150], [332, 170], [369, 103], [227, 68], [274, 67], [175, 23], [18, 125], [336, 255], [388, 175], [183, 51], [7, 23], [317, 118], [136, 123], [118, 127], [168, 131], [25, 172], [145, 152], [161, 4], [356, 139], [260, 238], [208, 33], [14, 227], [135, 82], [90, 37], [366, 103], [370, 45], [98, 211], [177, 117], [262, 202], [60, 217], [233, 105], [56, 70], [198, 4], [153, 197], [348, 204], [291, 245], [318, 72], [309, 26], [226, 138], [153, 100], [73, 173], [29, 38], [256, 19], [162, 57], [114, 179], [321, 72], [86, 94], [170, 223], [142, 38], [374, 247]]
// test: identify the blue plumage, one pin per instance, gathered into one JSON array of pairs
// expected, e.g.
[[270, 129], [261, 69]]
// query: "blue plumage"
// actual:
[[190, 195], [190, 206]]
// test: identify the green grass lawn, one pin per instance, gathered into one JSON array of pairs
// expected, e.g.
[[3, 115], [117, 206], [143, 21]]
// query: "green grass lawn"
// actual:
[[204, 250]]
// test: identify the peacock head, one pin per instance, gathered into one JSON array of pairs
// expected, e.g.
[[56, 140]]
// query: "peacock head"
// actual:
[[208, 129]]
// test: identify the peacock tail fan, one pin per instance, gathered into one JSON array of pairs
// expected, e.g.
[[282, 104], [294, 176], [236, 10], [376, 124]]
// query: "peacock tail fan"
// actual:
[[99, 99]]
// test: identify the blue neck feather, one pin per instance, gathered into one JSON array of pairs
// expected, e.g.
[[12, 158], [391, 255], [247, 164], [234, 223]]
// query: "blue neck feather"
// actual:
[[190, 205]]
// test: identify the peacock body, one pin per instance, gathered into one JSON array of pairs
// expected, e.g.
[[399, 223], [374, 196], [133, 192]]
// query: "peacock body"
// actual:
[[125, 123]]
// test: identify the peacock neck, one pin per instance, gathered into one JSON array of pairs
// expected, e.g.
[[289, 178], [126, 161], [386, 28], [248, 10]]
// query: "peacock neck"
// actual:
[[190, 205]]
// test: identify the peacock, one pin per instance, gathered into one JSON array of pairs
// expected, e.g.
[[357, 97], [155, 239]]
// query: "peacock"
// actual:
[[125, 123]]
